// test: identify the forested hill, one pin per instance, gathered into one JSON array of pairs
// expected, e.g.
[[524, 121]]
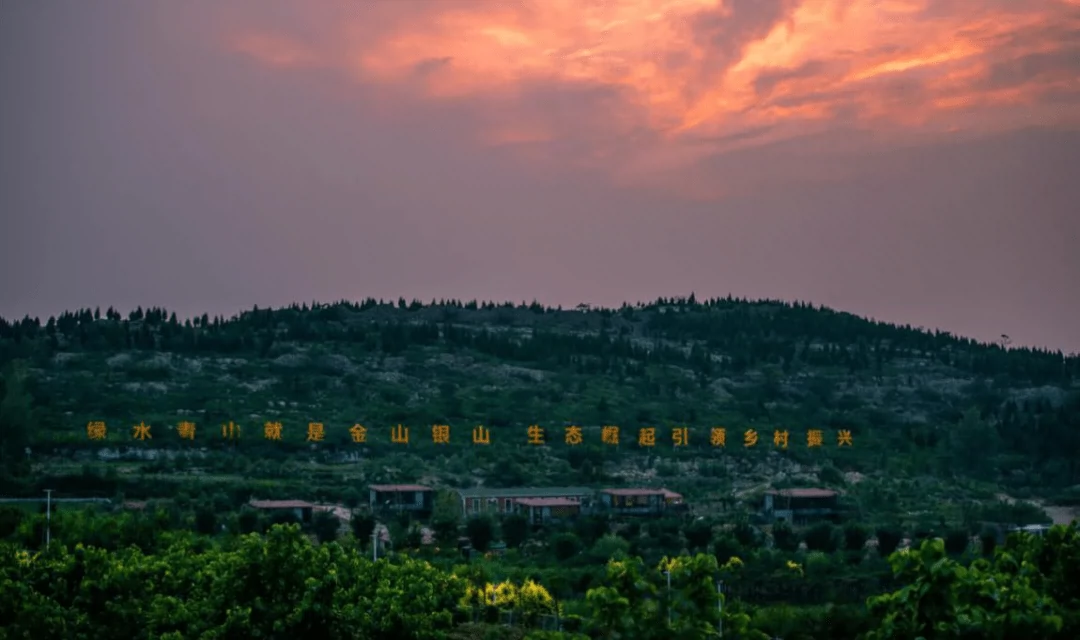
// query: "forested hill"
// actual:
[[935, 402]]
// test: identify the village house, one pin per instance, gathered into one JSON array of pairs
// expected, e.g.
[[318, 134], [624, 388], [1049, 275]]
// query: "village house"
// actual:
[[297, 508], [414, 498], [799, 506], [639, 501], [674, 501], [502, 501], [547, 510]]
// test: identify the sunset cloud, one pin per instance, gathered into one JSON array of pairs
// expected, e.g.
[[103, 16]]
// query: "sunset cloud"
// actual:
[[275, 50], [649, 87]]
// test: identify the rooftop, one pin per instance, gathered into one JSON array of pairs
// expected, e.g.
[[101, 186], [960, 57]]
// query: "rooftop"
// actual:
[[281, 504], [526, 492], [671, 495], [803, 493], [548, 502], [635, 492], [391, 488]]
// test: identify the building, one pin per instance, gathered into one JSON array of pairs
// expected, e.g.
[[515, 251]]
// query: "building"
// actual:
[[638, 501], [799, 506], [297, 508], [414, 498], [674, 501], [500, 501], [547, 510]]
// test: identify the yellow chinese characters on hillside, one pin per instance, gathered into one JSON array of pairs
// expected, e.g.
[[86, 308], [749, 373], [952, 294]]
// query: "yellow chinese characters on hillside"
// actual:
[[96, 430], [358, 433], [230, 431], [440, 434], [141, 431], [272, 431], [186, 430]]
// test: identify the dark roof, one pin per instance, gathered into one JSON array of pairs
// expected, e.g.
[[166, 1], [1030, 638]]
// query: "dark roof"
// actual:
[[635, 492], [803, 493], [391, 488], [526, 492], [547, 502], [281, 504]]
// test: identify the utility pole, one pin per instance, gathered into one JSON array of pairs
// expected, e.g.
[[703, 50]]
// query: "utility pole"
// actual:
[[375, 543], [720, 606], [48, 517], [668, 574]]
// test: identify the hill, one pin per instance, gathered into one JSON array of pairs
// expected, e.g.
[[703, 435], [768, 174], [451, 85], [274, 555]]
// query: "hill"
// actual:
[[932, 417]]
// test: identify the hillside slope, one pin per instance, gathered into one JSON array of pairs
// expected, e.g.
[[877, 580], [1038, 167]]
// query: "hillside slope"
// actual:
[[915, 403]]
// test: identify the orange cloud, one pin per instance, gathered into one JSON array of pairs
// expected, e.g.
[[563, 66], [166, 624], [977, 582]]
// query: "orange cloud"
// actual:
[[657, 85]]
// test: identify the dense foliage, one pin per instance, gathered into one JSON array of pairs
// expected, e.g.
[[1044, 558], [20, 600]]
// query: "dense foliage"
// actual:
[[282, 585]]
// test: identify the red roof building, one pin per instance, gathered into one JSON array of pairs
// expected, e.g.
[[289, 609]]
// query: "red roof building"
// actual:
[[545, 510], [300, 509], [415, 498], [799, 506], [502, 500], [640, 501]]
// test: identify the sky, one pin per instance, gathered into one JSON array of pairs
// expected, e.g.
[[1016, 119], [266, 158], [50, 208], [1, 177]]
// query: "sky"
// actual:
[[913, 161]]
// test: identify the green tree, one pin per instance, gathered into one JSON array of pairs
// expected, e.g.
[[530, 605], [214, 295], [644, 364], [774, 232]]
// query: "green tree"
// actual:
[[362, 524], [515, 530], [855, 536], [480, 531], [784, 537], [748, 537], [888, 539], [446, 517], [698, 534], [945, 600], [957, 541], [822, 537], [205, 520], [726, 547], [565, 545], [988, 539], [16, 420], [325, 525]]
